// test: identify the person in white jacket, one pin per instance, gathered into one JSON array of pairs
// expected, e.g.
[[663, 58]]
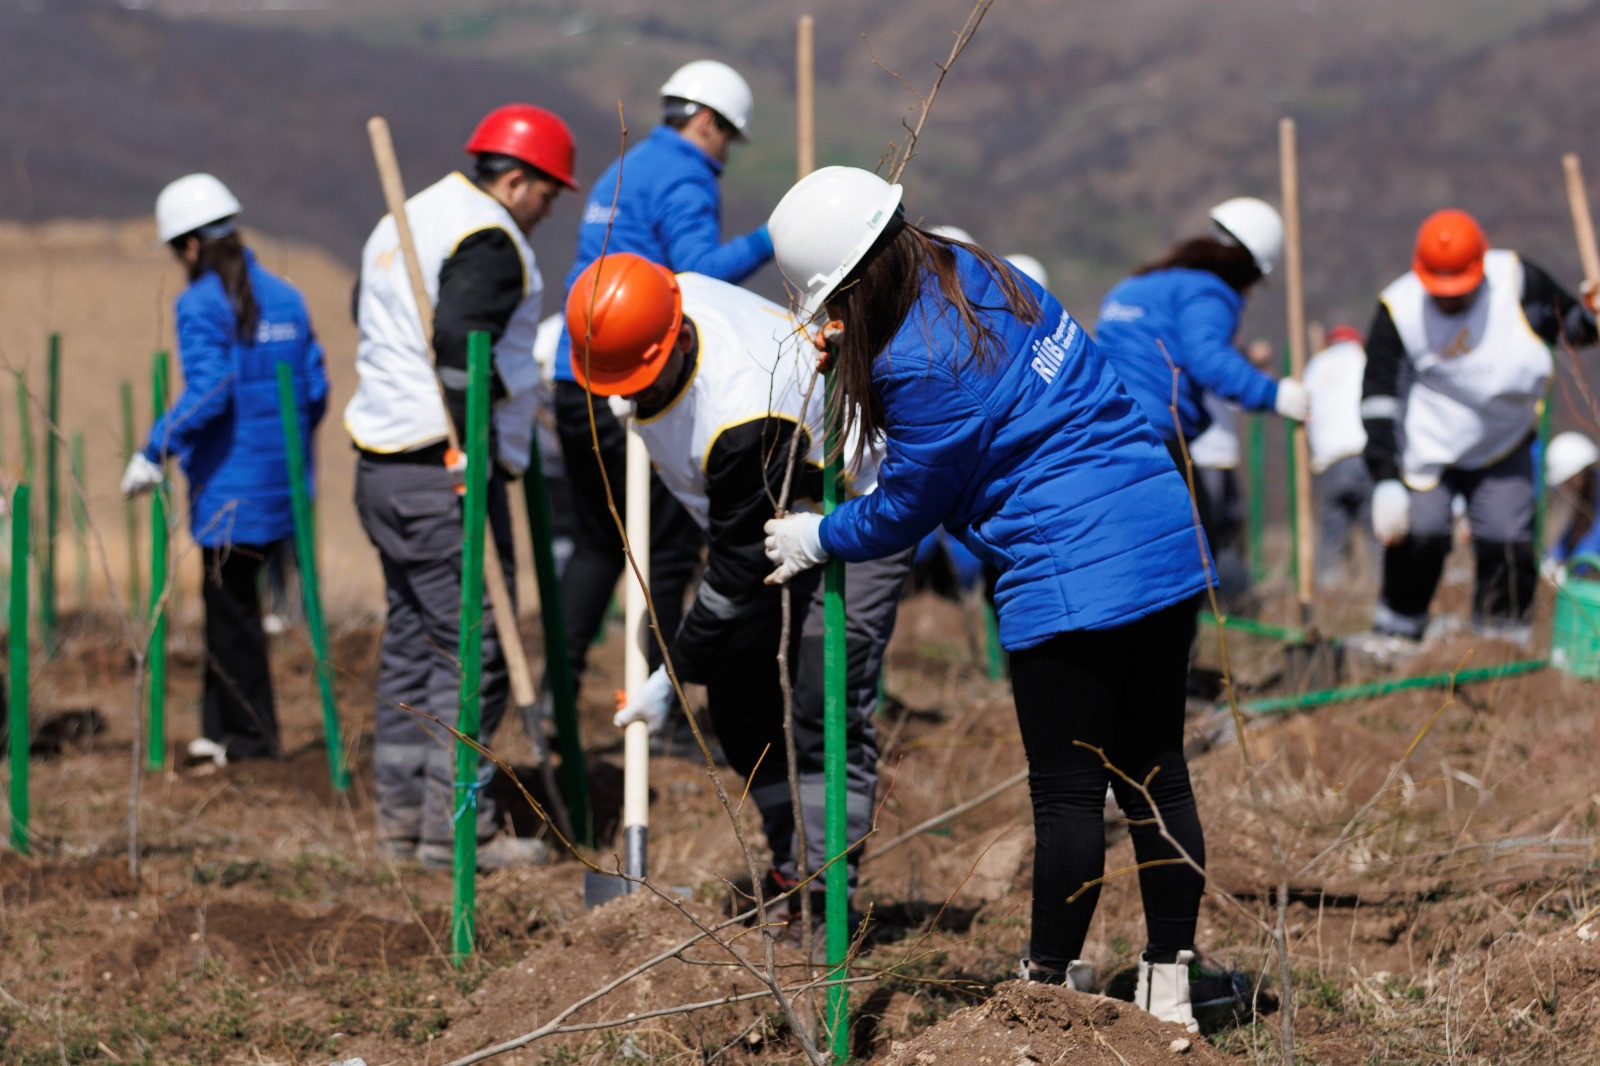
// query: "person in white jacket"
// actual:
[[1339, 479]]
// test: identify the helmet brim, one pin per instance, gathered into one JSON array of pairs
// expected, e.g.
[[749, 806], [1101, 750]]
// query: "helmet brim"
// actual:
[[1458, 284]]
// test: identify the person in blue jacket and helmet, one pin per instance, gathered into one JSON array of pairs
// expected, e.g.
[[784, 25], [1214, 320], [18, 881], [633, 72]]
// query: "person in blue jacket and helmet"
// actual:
[[236, 322], [1000, 419], [1571, 463], [661, 200], [1180, 312]]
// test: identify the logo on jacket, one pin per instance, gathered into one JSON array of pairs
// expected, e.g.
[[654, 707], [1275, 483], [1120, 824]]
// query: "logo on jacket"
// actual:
[[271, 332], [1050, 352], [1120, 312], [1459, 345], [599, 214]]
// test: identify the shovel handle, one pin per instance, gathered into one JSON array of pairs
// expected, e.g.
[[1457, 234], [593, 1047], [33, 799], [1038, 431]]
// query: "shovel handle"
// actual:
[[1582, 222]]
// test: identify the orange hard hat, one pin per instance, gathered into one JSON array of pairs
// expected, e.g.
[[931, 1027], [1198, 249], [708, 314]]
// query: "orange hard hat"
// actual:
[[1449, 255], [623, 315], [537, 137]]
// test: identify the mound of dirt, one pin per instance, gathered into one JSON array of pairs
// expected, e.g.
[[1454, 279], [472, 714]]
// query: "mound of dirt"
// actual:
[[1028, 1023], [24, 880]]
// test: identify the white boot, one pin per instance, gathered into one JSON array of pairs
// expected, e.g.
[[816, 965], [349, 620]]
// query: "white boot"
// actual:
[[1163, 990], [1078, 976]]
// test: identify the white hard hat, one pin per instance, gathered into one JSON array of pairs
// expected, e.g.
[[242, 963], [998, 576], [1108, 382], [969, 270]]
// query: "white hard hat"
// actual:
[[193, 201], [1567, 455], [1031, 267], [952, 233], [714, 85], [1256, 225], [825, 224]]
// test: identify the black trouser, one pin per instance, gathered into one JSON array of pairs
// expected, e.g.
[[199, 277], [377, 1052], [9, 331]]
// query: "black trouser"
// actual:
[[1122, 691], [591, 574], [237, 709]]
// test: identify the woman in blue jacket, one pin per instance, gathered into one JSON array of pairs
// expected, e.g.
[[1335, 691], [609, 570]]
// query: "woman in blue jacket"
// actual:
[[235, 323], [998, 418], [1168, 330]]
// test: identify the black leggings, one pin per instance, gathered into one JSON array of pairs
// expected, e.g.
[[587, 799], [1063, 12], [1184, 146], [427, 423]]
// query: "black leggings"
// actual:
[[1122, 691]]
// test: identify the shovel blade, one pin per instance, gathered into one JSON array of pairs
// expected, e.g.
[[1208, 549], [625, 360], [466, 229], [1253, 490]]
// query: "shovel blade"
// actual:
[[603, 888], [1311, 665]]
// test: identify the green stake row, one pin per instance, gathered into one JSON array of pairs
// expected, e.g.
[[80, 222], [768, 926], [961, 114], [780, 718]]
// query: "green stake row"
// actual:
[[157, 722], [305, 544], [1373, 689]]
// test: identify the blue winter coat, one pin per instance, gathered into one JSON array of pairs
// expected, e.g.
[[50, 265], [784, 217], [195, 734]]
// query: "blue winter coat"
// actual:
[[1188, 317], [669, 210], [1041, 465], [225, 429]]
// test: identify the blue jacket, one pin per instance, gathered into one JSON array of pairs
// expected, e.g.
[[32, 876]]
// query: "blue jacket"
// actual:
[[669, 210], [1570, 546], [225, 429], [1189, 317], [1040, 464]]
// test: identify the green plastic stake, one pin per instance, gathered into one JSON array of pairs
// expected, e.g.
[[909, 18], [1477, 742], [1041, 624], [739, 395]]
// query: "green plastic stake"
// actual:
[[1292, 487], [563, 693], [1257, 458], [1257, 628], [130, 507], [80, 522], [1373, 689], [991, 632], [464, 903], [17, 675], [306, 552], [837, 900], [25, 426], [157, 722], [1541, 498], [52, 498]]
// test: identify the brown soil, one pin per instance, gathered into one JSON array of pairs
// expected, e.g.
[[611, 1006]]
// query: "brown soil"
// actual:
[[1025, 1024]]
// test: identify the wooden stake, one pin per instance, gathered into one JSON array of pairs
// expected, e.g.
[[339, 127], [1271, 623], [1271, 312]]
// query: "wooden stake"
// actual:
[[805, 124], [1305, 527], [1582, 222]]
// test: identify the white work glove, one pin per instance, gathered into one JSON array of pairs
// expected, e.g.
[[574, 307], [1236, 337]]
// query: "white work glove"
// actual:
[[1293, 402], [141, 475], [794, 542], [1553, 571], [1391, 512], [649, 704], [621, 407]]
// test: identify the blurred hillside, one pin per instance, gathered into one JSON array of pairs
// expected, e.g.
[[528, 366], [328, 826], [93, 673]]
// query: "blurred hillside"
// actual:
[[1087, 134]]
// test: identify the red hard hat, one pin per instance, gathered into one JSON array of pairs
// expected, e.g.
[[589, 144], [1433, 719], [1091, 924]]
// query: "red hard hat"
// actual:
[[531, 134], [623, 315], [1344, 332], [1449, 255]]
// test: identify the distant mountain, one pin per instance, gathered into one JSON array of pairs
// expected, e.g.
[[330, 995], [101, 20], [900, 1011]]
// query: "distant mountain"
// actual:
[[1088, 134]]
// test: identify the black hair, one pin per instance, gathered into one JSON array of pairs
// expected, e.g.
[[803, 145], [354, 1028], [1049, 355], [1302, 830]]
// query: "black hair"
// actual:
[[487, 166], [225, 255], [1231, 262], [677, 113]]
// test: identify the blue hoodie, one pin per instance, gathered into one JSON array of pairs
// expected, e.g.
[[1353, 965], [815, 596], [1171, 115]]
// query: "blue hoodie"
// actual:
[[1182, 318], [1041, 464], [668, 210], [225, 429]]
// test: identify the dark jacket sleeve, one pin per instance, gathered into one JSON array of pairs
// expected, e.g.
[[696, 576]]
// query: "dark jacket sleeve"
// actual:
[[1380, 396], [744, 474], [480, 287], [1552, 311]]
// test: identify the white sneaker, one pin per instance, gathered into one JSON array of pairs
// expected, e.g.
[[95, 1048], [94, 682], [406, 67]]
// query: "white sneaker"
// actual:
[[1163, 990], [203, 748]]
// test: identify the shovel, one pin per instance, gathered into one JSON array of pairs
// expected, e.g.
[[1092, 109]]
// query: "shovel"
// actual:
[[1312, 662], [598, 887]]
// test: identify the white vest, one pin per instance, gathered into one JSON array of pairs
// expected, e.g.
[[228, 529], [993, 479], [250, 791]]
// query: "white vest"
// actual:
[[397, 406], [753, 361], [1476, 379], [1217, 448], [1333, 383]]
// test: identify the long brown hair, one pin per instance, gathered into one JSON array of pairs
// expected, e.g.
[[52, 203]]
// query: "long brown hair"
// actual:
[[872, 304], [225, 255], [1231, 262]]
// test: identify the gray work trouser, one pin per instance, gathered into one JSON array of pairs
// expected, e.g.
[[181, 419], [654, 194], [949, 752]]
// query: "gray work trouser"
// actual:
[[1344, 511], [872, 600], [413, 516], [1500, 505]]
